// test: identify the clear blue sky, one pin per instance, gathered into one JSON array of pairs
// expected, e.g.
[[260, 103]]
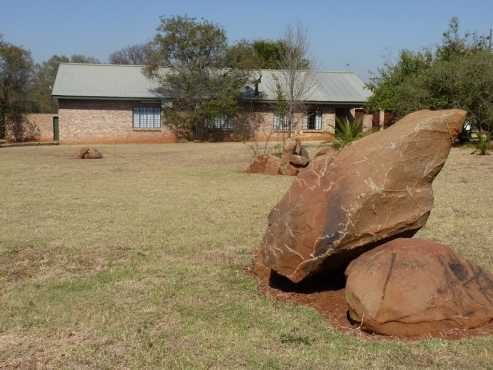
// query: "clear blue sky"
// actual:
[[359, 33]]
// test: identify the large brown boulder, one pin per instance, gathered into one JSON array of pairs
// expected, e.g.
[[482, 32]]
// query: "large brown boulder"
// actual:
[[323, 158], [328, 150], [411, 287], [375, 189]]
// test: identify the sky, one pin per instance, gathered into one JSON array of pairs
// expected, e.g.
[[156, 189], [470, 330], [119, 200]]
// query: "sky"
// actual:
[[354, 35]]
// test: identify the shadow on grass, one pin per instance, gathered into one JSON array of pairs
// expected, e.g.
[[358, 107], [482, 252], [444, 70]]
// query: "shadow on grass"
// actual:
[[317, 283]]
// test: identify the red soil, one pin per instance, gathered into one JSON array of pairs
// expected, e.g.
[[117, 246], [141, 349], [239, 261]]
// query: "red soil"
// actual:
[[326, 295]]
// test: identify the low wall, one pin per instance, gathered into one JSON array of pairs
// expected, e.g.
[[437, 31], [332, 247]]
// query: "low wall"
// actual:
[[35, 127]]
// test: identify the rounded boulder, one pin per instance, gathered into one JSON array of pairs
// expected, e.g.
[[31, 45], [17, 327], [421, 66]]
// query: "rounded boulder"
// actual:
[[412, 287]]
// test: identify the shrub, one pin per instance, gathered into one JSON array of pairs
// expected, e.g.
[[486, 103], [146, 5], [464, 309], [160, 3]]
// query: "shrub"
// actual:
[[346, 132], [483, 144]]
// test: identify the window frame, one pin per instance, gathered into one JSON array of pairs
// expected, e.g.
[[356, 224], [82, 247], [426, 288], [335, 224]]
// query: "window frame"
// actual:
[[148, 115], [318, 120], [222, 122], [279, 123]]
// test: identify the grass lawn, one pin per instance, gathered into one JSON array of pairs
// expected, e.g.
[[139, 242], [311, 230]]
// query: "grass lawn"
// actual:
[[137, 261]]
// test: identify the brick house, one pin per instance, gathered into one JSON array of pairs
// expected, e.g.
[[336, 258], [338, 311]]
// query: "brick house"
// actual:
[[101, 103]]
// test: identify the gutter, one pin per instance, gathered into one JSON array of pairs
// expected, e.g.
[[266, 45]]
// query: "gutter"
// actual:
[[157, 98]]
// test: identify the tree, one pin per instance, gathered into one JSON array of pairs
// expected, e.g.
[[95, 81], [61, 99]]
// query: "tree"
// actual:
[[135, 54], [294, 80], [272, 53], [16, 71], [465, 82], [80, 58], [198, 80], [394, 81], [242, 55], [45, 75], [458, 74], [456, 45], [44, 79], [259, 54]]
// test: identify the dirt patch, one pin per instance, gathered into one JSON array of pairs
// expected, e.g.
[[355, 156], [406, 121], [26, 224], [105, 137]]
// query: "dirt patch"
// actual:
[[326, 295], [22, 263]]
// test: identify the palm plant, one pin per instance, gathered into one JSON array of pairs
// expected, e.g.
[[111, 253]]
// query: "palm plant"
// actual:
[[483, 144], [346, 132]]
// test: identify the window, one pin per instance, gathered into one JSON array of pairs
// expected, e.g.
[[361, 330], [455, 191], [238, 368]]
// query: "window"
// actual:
[[313, 121], [146, 116], [280, 122], [222, 122]]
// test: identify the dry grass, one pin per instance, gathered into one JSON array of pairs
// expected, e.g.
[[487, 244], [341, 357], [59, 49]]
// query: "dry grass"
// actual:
[[136, 261]]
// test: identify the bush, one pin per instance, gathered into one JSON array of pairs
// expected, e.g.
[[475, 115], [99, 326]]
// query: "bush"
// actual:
[[483, 144], [346, 132]]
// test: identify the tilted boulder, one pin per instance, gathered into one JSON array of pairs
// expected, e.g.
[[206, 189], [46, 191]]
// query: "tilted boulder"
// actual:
[[410, 287], [377, 188], [328, 150], [323, 158]]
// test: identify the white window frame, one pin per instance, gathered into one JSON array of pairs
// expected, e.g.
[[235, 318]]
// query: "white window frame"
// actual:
[[146, 116], [222, 122], [318, 120], [280, 122]]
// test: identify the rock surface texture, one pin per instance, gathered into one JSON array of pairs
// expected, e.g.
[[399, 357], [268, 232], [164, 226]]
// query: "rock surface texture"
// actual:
[[294, 158], [410, 287], [374, 190], [266, 164], [89, 153]]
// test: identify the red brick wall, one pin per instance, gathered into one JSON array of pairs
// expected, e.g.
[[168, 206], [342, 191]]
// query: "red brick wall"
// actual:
[[35, 127], [111, 121], [105, 121], [263, 119]]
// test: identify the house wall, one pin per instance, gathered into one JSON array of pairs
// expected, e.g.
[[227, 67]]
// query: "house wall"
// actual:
[[105, 121], [366, 119], [43, 122], [111, 121], [35, 127], [263, 120]]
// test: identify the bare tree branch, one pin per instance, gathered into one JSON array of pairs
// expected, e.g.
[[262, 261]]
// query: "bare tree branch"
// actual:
[[295, 80]]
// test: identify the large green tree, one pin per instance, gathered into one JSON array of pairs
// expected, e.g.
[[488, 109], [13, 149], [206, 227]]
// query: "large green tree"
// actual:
[[457, 74], [44, 79], [16, 72], [199, 80], [260, 54]]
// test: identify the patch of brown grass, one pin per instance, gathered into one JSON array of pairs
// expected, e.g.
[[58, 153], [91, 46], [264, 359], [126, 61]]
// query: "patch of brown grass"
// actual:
[[136, 261]]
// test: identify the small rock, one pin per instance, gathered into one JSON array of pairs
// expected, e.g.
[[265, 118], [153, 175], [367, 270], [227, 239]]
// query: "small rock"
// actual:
[[294, 158], [89, 153], [266, 164], [82, 152], [298, 160]]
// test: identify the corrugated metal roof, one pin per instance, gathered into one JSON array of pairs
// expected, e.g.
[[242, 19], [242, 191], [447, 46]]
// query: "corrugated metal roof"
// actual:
[[341, 87], [128, 81], [103, 80]]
